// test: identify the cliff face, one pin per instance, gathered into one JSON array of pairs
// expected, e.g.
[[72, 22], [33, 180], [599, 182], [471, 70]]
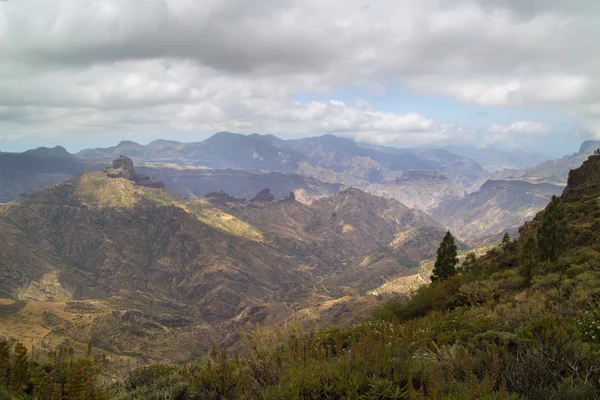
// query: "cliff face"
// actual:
[[583, 175]]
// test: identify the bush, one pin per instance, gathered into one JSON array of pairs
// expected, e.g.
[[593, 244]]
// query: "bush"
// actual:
[[438, 296]]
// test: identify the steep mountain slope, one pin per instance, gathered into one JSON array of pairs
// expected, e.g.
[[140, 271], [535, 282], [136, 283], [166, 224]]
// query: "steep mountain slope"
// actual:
[[498, 207], [424, 190], [351, 239], [122, 237], [166, 278]]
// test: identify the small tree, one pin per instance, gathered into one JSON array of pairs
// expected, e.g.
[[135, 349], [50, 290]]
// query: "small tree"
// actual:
[[505, 239], [470, 266], [551, 234], [528, 260], [446, 261]]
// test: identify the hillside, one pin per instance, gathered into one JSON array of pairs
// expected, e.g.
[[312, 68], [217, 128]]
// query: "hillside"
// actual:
[[484, 216], [158, 278], [424, 192], [519, 322]]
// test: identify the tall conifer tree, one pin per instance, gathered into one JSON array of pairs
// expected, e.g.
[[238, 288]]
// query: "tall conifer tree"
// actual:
[[446, 261]]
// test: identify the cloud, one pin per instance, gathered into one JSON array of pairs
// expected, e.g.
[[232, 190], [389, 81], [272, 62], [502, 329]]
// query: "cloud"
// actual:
[[516, 134], [522, 127], [116, 67]]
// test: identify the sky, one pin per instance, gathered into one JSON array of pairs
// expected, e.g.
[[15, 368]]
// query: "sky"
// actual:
[[508, 73]]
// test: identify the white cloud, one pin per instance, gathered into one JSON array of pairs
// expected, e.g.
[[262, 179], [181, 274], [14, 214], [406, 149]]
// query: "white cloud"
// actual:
[[517, 134], [116, 67], [522, 127]]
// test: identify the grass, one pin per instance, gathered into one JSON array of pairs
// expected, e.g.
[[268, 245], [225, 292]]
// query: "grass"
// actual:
[[223, 221], [97, 190]]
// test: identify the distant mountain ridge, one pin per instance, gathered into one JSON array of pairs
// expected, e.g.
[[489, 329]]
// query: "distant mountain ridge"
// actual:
[[34, 169], [312, 168], [327, 158], [496, 159], [22, 173], [553, 171]]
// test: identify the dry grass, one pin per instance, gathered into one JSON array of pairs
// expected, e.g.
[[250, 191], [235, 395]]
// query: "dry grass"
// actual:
[[96, 190], [223, 221]]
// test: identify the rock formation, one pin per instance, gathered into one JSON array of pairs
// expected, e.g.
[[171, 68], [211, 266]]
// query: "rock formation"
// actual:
[[122, 167], [264, 195]]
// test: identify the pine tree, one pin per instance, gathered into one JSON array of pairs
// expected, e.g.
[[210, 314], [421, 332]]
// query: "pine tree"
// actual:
[[528, 260], [19, 377], [505, 239], [446, 261], [551, 234]]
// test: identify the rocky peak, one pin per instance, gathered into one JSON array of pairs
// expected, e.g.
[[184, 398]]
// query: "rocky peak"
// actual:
[[290, 198], [585, 173], [264, 195], [122, 167]]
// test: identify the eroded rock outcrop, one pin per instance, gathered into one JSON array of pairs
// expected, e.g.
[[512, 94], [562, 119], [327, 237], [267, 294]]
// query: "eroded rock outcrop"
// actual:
[[122, 167], [582, 175], [264, 195]]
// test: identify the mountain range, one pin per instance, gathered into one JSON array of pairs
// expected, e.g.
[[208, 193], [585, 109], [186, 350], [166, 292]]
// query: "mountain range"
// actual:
[[436, 181], [161, 262], [167, 277]]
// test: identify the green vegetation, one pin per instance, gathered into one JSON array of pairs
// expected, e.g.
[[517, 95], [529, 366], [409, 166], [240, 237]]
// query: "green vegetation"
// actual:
[[447, 260], [521, 322], [551, 235], [51, 376], [505, 239]]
